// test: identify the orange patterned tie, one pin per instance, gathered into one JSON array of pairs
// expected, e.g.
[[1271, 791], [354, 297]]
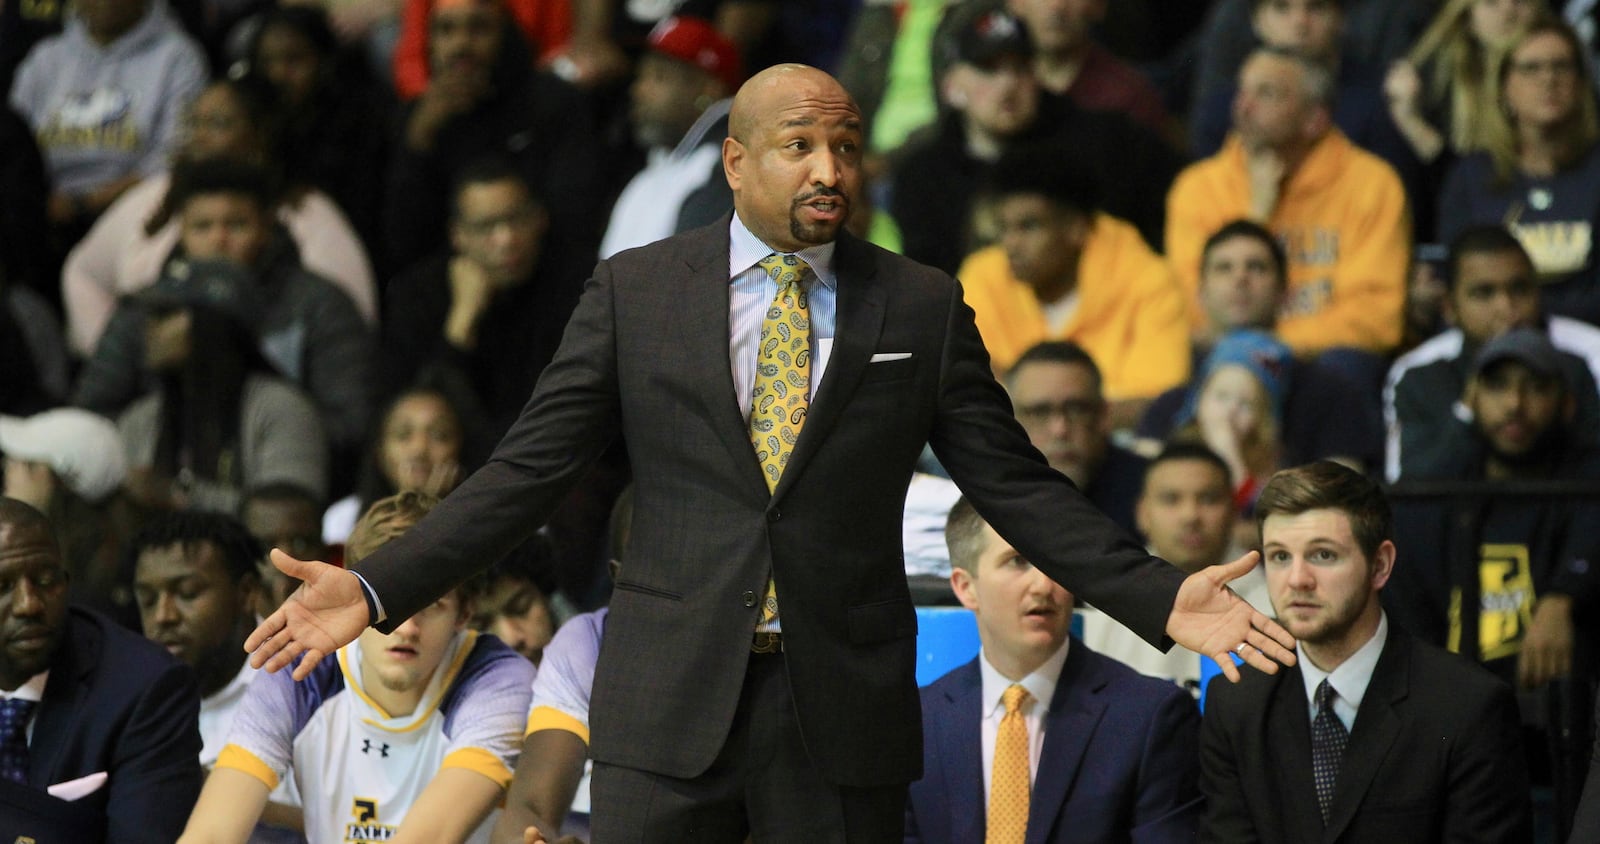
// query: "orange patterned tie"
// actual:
[[1009, 783], [782, 393]]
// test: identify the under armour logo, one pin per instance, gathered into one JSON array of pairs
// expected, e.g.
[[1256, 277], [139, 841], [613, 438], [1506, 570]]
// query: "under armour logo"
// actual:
[[366, 747]]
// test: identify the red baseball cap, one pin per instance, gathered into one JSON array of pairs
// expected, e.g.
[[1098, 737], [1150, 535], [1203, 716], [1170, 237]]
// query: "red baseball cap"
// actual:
[[697, 42]]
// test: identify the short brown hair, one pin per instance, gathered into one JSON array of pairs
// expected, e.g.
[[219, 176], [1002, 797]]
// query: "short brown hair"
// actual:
[[1326, 485], [390, 517], [964, 536]]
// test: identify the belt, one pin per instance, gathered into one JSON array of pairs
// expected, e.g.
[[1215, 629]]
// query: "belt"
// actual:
[[766, 642]]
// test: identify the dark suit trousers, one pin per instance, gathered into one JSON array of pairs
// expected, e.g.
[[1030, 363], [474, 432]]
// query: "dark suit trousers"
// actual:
[[761, 785]]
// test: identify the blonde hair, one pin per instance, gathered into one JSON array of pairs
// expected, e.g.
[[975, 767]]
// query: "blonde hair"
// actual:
[[386, 519], [1460, 79], [390, 517], [1578, 133], [1261, 450]]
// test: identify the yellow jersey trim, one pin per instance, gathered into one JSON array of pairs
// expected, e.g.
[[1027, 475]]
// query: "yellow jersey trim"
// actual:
[[237, 758], [468, 639], [481, 761], [550, 718]]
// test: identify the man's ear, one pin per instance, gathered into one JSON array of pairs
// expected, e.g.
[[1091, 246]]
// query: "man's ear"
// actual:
[[963, 584], [1383, 564], [733, 154]]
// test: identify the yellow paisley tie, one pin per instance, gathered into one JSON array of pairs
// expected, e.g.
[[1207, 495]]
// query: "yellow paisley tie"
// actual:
[[1009, 783], [782, 393]]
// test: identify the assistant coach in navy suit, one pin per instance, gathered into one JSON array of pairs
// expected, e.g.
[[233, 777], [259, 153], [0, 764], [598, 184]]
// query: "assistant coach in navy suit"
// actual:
[[114, 712], [661, 352], [1114, 751]]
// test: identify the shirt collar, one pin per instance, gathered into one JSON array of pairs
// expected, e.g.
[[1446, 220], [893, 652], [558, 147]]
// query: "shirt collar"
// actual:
[[746, 250], [1350, 679], [1041, 684], [32, 690]]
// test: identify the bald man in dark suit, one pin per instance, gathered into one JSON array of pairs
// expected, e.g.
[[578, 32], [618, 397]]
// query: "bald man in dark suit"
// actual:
[[711, 719]]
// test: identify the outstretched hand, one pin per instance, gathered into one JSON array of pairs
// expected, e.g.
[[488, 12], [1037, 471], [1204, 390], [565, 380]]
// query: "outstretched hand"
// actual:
[[326, 613], [1209, 618]]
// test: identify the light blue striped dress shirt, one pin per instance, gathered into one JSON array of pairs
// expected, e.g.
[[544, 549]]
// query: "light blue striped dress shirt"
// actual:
[[750, 292]]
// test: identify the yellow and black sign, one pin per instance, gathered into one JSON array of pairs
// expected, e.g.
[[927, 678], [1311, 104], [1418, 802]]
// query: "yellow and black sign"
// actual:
[[1506, 599]]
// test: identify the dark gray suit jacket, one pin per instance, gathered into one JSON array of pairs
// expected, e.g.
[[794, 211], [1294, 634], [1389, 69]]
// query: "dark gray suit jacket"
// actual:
[[646, 356], [1435, 755]]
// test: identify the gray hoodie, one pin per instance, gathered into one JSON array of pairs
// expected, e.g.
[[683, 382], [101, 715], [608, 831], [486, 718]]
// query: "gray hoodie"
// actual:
[[101, 113]]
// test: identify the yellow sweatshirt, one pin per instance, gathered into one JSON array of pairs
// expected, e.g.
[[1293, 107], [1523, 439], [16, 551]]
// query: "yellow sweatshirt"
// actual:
[[1130, 316], [1342, 219]]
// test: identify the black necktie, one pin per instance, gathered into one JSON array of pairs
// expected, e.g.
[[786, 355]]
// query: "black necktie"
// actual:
[[1328, 737], [14, 714]]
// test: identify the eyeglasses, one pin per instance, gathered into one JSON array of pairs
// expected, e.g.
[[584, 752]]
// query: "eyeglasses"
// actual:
[[1072, 411]]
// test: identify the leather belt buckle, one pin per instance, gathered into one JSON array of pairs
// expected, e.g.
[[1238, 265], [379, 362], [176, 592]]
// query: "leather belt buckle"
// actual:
[[766, 642]]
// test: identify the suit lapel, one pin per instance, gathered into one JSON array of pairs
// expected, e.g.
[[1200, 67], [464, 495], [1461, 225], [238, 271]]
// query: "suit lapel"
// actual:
[[1075, 712], [704, 298], [961, 754], [1289, 742], [858, 322], [65, 696], [1376, 728]]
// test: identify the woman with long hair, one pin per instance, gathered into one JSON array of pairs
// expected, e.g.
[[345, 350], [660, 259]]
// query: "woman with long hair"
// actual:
[[1439, 94], [220, 420], [420, 444], [1539, 171]]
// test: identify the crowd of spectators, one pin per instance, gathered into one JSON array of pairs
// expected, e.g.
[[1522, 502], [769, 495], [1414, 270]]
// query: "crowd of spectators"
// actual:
[[282, 263]]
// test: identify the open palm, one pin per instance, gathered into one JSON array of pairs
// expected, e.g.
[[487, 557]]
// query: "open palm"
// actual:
[[1209, 618], [326, 613]]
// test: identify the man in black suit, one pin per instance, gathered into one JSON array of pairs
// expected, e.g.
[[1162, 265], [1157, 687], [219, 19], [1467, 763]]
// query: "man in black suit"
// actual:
[[709, 715], [1373, 735], [99, 729]]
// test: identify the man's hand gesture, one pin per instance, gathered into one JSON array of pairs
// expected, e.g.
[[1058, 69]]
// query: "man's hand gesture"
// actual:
[[326, 613], [1208, 618]]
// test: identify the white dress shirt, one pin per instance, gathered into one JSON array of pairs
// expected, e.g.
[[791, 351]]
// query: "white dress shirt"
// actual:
[[1349, 680], [1041, 686]]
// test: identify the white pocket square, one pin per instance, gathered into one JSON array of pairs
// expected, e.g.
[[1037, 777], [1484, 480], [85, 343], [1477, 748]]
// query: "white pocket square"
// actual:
[[883, 357], [80, 787]]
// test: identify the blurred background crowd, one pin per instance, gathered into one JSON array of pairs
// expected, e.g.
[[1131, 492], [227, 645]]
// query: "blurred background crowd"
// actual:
[[280, 260]]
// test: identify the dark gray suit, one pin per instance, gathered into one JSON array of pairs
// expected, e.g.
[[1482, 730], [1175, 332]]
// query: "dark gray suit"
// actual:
[[646, 356], [1435, 755]]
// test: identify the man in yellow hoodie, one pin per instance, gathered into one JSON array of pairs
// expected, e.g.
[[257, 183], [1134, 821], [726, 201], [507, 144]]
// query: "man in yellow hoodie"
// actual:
[[1062, 270], [1339, 210]]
